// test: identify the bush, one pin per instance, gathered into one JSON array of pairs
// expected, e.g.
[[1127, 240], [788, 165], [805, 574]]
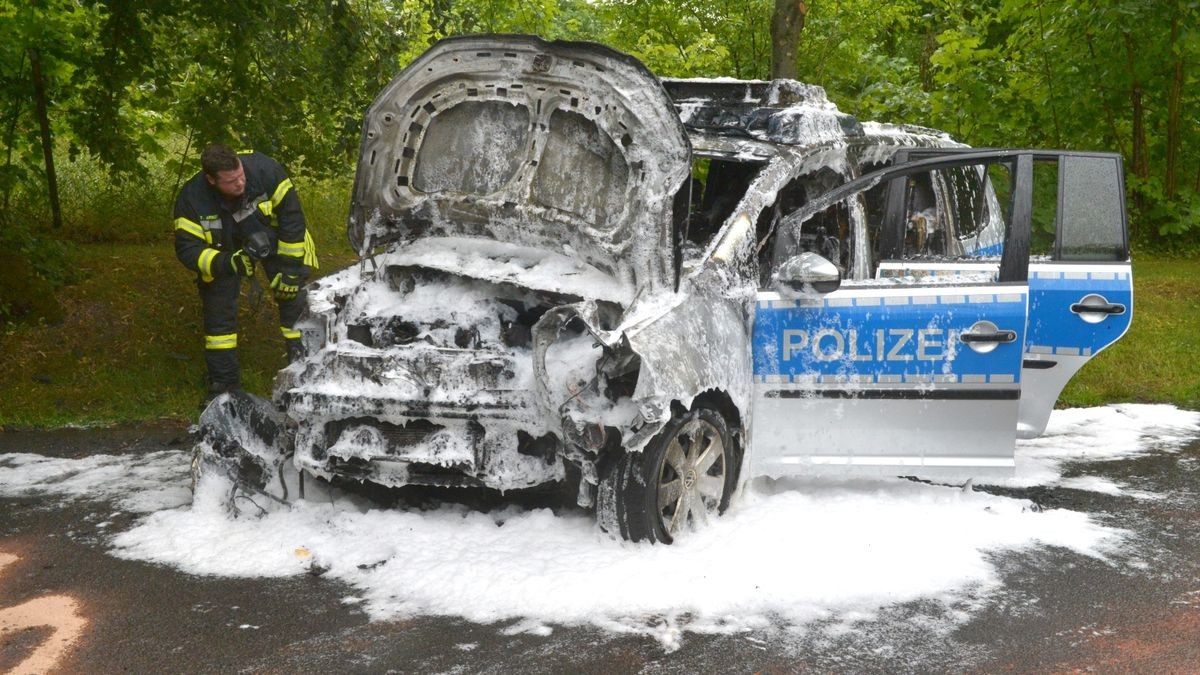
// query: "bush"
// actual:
[[25, 295], [99, 205], [31, 266]]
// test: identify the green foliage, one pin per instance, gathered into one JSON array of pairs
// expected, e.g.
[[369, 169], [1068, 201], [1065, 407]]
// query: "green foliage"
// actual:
[[871, 57], [289, 79], [688, 38], [1081, 74], [136, 85], [30, 269]]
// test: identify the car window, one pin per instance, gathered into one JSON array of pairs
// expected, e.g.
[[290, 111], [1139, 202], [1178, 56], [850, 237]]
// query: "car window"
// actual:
[[954, 212], [1092, 216], [928, 205], [939, 214], [716, 188], [969, 208], [828, 233], [1044, 221], [1078, 210], [999, 194]]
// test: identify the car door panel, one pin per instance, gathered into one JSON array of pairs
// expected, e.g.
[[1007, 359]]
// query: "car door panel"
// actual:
[[879, 380], [1063, 335]]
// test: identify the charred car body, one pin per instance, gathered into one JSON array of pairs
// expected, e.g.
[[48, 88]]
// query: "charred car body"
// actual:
[[572, 270]]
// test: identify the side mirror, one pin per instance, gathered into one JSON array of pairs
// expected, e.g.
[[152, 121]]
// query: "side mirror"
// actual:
[[808, 273]]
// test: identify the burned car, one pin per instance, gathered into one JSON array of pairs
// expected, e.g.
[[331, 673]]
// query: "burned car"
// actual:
[[572, 270]]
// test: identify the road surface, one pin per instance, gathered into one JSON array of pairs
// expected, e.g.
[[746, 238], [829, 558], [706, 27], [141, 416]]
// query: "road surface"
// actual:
[[1058, 610]]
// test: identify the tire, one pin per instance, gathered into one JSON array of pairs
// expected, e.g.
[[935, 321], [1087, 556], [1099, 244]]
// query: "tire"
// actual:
[[673, 486]]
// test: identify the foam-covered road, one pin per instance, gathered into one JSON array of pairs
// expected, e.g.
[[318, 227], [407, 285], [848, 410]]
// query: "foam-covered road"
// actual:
[[1088, 558]]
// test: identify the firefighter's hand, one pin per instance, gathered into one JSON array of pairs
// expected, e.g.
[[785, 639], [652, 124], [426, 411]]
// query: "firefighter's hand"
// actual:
[[242, 264], [285, 286]]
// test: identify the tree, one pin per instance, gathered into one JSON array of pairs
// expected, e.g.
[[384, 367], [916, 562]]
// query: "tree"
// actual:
[[36, 59], [787, 22]]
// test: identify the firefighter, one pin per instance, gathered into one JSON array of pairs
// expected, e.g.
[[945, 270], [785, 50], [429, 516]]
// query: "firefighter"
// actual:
[[239, 210]]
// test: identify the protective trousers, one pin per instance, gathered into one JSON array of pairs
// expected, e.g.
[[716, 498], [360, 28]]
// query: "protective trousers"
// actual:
[[219, 300]]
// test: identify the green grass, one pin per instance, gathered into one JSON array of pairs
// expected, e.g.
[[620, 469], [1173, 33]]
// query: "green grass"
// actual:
[[1158, 360]]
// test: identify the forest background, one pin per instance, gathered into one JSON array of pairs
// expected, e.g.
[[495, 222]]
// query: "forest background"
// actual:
[[104, 106]]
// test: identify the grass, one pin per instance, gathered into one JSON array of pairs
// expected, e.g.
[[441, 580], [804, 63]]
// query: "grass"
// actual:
[[129, 345], [1158, 360]]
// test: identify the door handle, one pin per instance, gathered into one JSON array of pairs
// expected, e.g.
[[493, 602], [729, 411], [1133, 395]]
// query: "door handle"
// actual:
[[1094, 308], [999, 336], [1106, 308], [983, 337]]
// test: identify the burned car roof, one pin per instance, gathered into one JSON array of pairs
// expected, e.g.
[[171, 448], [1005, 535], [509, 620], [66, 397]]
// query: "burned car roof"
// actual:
[[754, 119]]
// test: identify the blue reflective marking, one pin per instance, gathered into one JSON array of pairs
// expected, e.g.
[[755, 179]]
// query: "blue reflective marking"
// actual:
[[987, 251], [881, 340], [1053, 324]]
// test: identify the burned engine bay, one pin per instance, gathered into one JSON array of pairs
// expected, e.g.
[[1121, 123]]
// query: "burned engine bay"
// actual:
[[427, 376]]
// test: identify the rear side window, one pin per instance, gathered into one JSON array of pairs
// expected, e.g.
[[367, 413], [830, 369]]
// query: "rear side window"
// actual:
[[474, 148], [1044, 222], [1091, 210]]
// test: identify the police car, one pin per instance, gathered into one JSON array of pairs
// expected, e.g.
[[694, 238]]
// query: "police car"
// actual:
[[656, 290]]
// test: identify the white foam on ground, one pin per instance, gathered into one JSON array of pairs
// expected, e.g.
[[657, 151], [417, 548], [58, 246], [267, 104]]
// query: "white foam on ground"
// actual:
[[137, 483], [1100, 434], [788, 553]]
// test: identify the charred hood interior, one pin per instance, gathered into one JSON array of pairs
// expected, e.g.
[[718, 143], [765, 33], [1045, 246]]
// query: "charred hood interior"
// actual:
[[572, 147]]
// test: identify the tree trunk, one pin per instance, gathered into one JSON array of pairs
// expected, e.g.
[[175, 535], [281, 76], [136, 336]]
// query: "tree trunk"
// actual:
[[1173, 105], [182, 166], [1141, 164], [787, 22], [1117, 139], [9, 136], [927, 51], [39, 98], [1050, 80]]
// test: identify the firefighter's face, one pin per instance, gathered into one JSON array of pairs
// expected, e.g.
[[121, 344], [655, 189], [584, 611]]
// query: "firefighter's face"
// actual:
[[231, 183]]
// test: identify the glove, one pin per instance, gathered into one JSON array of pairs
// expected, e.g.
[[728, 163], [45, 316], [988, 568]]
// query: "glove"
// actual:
[[285, 285], [241, 264]]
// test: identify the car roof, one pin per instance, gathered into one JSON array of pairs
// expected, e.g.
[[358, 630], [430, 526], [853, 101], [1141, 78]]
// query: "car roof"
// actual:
[[744, 119]]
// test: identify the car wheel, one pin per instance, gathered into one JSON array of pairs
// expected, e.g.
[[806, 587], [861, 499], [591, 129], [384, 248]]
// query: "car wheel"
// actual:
[[683, 478]]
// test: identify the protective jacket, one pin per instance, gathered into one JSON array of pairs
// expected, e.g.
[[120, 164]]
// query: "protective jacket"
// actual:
[[208, 229]]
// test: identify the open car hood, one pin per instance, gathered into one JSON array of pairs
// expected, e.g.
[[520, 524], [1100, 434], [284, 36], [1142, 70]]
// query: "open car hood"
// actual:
[[567, 146]]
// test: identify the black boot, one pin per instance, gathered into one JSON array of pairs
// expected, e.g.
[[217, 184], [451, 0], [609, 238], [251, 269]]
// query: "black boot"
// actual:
[[295, 350], [215, 389]]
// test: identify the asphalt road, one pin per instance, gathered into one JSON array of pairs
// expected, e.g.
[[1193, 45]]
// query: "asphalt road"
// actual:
[[1059, 611]]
